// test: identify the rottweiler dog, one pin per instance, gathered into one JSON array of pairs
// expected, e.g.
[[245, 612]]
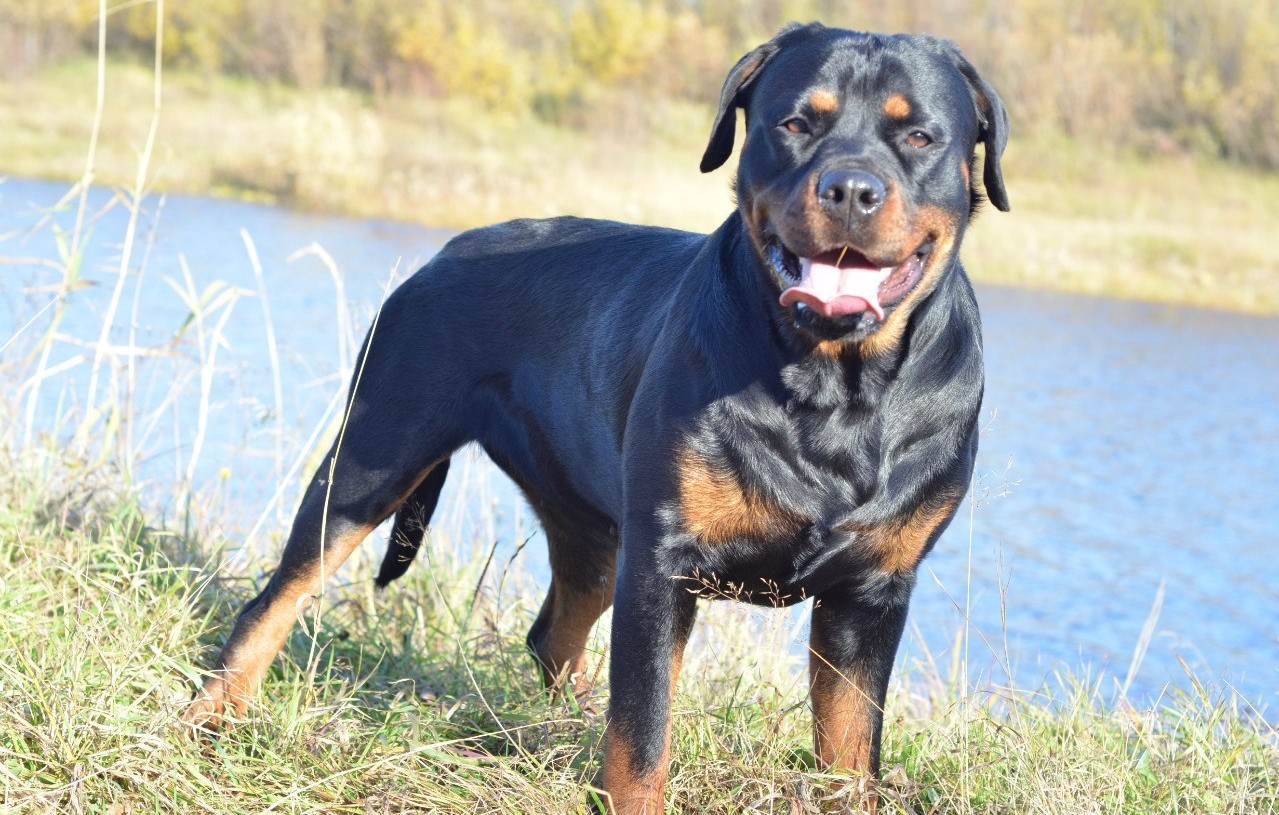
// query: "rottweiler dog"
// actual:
[[781, 410]]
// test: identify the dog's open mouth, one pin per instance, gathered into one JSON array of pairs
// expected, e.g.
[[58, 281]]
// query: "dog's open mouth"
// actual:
[[843, 282]]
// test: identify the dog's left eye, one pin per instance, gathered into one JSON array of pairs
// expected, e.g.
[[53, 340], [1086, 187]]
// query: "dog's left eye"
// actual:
[[796, 125], [918, 138]]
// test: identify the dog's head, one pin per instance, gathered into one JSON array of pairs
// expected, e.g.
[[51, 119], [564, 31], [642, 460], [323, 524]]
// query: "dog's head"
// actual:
[[855, 178]]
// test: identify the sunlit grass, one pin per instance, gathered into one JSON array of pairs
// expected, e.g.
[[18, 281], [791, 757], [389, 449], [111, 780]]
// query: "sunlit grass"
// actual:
[[1168, 228], [421, 698]]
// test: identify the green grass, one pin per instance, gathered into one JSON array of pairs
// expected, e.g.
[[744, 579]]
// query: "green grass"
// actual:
[[423, 700], [1167, 228]]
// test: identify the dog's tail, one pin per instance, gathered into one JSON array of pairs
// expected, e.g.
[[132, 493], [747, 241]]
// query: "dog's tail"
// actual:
[[412, 521]]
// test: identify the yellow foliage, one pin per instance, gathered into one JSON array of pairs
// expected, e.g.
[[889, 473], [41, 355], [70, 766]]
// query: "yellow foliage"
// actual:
[[192, 31], [1153, 74], [617, 40], [463, 54]]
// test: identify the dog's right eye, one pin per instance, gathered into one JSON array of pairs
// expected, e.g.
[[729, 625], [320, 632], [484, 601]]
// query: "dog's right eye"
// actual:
[[796, 125], [918, 139]]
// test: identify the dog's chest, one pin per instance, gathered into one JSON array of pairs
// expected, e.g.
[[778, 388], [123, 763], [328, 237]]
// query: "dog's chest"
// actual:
[[762, 470]]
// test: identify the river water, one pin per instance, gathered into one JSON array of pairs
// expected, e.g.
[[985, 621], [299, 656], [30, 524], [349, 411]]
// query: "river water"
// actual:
[[1127, 475]]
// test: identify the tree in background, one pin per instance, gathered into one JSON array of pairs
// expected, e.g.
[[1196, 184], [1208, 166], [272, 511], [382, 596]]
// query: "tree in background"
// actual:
[[1150, 74]]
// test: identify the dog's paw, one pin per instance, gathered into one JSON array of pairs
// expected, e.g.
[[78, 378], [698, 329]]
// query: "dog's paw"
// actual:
[[208, 709]]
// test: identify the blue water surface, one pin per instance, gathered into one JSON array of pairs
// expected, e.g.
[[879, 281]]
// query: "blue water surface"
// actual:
[[1127, 470]]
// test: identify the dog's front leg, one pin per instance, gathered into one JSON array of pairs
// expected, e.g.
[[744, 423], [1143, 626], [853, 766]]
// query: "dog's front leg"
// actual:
[[652, 617], [853, 646]]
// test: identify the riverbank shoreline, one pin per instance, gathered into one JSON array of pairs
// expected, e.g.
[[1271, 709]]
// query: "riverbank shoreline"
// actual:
[[1160, 228]]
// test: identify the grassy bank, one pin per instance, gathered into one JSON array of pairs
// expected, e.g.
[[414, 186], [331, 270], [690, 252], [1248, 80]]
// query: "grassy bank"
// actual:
[[422, 700], [1167, 228]]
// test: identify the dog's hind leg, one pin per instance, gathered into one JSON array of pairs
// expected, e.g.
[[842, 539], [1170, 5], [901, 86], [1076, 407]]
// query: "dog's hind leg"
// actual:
[[407, 413], [412, 520], [581, 590], [383, 460]]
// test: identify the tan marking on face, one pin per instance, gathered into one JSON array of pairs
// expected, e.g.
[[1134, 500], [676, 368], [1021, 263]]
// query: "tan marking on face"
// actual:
[[891, 222], [897, 106], [966, 172], [807, 217], [716, 508], [939, 223], [898, 230], [823, 100]]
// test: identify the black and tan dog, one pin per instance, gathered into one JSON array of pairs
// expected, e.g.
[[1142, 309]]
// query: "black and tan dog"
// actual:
[[786, 407]]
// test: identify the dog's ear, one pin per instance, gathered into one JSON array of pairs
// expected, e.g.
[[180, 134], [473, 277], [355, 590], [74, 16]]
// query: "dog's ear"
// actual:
[[720, 146], [994, 136], [994, 128]]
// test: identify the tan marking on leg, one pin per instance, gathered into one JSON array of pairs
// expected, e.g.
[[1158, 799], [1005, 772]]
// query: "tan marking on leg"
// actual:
[[842, 718], [716, 508], [844, 715], [823, 100], [632, 793], [260, 633], [563, 652], [897, 106], [677, 664]]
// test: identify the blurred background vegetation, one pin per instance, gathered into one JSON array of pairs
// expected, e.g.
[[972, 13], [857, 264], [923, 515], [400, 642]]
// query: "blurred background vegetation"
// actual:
[[1144, 160], [1155, 74], [1158, 75]]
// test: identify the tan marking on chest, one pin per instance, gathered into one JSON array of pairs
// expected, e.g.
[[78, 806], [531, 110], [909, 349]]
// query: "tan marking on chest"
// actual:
[[830, 348], [897, 106], [823, 100], [900, 546], [716, 508]]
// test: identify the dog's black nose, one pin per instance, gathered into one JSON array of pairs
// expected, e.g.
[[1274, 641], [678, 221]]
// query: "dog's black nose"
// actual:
[[851, 193]]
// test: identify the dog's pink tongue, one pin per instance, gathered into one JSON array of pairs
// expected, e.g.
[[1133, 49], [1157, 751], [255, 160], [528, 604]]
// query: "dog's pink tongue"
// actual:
[[835, 292]]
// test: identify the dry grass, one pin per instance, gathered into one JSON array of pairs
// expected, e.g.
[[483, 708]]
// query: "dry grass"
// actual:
[[441, 163], [1166, 228], [1169, 229], [423, 700]]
